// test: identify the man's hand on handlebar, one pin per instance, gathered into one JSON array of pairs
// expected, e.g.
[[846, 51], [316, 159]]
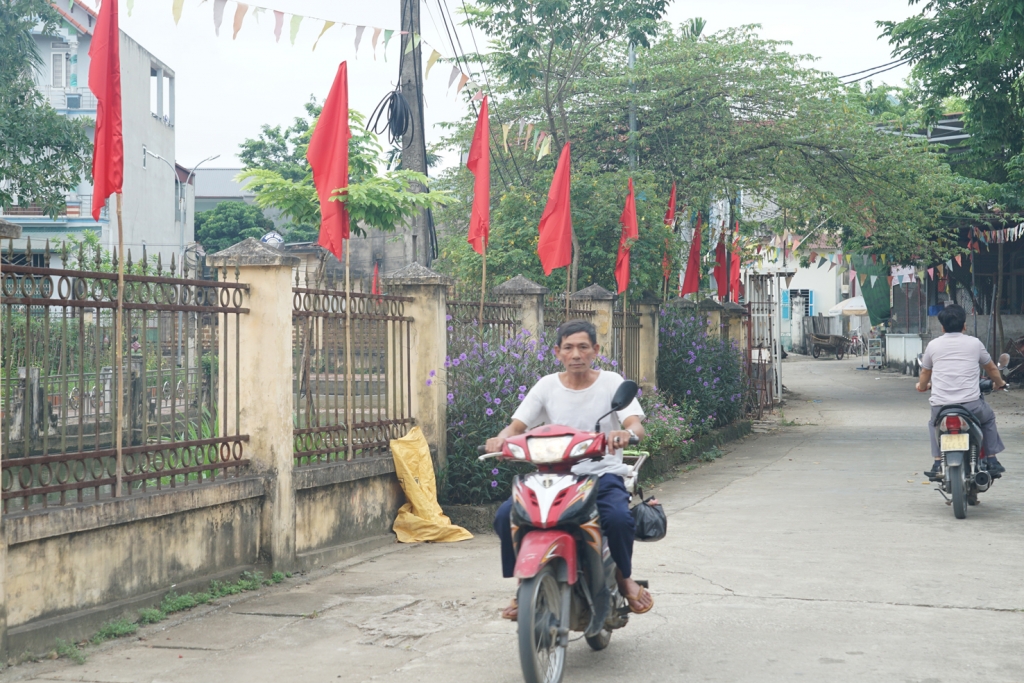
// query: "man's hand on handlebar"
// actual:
[[495, 444], [618, 439]]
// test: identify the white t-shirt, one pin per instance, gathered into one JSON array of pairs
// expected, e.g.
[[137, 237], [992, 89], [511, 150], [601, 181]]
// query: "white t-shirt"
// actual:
[[551, 402], [954, 359]]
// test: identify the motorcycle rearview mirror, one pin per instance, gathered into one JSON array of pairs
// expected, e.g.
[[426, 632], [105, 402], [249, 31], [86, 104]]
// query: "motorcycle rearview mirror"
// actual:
[[624, 395], [1004, 360]]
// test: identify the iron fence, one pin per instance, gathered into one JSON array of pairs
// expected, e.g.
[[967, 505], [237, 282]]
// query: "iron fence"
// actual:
[[503, 317], [555, 312], [351, 373], [626, 346], [58, 380]]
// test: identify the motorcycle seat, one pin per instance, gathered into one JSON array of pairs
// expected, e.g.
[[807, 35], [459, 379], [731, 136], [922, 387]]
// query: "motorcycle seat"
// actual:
[[955, 409]]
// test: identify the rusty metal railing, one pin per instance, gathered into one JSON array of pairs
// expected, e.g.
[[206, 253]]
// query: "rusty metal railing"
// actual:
[[628, 355], [555, 312], [58, 387], [352, 385], [503, 317]]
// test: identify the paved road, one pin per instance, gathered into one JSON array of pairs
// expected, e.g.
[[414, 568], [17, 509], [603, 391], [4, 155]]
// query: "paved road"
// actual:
[[812, 553]]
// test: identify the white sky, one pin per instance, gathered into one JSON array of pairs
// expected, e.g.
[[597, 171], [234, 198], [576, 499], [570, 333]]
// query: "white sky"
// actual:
[[227, 88]]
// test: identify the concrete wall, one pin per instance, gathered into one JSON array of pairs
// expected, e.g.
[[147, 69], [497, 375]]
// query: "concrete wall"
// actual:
[[342, 504], [1013, 328], [71, 569]]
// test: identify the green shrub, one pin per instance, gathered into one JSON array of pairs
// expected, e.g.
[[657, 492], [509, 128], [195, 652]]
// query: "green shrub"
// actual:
[[71, 651], [118, 628], [151, 616]]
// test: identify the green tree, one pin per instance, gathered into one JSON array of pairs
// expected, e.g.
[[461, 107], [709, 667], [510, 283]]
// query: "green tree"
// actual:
[[280, 176], [43, 155], [717, 114], [974, 50], [229, 223]]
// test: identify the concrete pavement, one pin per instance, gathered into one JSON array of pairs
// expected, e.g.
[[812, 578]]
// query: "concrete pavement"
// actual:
[[812, 553]]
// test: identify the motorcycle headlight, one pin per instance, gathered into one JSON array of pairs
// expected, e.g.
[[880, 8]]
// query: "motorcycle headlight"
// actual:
[[517, 451], [548, 449], [580, 448]]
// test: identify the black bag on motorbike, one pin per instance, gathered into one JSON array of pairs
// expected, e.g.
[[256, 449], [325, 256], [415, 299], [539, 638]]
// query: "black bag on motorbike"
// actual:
[[651, 522]]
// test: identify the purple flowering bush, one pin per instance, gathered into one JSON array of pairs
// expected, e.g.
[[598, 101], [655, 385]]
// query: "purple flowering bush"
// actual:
[[699, 369], [488, 378]]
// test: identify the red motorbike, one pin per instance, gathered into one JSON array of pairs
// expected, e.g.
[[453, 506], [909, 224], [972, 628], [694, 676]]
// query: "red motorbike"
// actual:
[[566, 573]]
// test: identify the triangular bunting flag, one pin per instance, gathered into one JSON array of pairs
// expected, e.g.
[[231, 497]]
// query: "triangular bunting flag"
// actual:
[[822, 261], [278, 25], [862, 277], [176, 10], [462, 83], [789, 281], [529, 132], [883, 259], [874, 278], [813, 257], [388, 32], [359, 37], [545, 147], [453, 75], [931, 273], [413, 43], [293, 29], [373, 41], [327, 25], [889, 278], [958, 260], [434, 56], [240, 9], [505, 128], [218, 14]]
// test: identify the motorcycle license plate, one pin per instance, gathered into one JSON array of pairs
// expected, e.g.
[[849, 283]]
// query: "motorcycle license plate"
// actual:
[[954, 442]]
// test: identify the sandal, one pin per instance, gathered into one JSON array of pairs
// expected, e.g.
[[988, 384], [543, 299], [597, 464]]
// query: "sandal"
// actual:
[[638, 599], [511, 612]]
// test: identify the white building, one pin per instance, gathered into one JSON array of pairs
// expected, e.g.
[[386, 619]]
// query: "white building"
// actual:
[[158, 193]]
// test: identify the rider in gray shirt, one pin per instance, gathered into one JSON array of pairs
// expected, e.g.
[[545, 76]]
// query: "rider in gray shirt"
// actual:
[[950, 368]]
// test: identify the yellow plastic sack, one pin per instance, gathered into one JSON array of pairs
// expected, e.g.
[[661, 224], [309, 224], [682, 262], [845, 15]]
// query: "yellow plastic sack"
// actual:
[[420, 519]]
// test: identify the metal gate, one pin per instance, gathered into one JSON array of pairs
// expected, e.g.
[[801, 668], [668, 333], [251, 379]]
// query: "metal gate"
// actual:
[[763, 351]]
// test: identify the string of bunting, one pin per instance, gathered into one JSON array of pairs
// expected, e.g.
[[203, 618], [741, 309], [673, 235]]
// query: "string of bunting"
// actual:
[[1001, 236], [378, 35]]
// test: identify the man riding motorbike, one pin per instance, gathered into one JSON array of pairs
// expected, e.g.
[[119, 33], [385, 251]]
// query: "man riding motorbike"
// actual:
[[949, 367], [576, 398]]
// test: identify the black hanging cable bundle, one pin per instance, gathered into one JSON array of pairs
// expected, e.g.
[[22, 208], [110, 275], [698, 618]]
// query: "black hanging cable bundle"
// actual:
[[399, 121]]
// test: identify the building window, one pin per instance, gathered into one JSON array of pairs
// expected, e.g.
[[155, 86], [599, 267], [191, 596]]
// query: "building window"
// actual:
[[61, 74]]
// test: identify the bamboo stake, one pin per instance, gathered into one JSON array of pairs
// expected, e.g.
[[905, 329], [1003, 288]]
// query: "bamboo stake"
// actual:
[[119, 351], [350, 375], [622, 352], [483, 287]]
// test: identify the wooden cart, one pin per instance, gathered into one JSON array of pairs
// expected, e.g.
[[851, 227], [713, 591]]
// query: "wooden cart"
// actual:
[[833, 343]]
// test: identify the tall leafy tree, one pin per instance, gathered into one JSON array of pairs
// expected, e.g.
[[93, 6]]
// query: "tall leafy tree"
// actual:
[[43, 155], [277, 171], [974, 50], [229, 223]]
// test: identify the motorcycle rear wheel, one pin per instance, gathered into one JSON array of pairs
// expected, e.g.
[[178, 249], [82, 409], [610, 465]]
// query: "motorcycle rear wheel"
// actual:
[[600, 641], [540, 607], [958, 491]]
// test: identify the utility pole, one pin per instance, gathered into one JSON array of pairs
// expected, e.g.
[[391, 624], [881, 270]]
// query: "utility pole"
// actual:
[[414, 146]]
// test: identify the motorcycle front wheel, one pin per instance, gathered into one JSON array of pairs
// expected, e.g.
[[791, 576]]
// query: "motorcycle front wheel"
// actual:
[[958, 491], [540, 608]]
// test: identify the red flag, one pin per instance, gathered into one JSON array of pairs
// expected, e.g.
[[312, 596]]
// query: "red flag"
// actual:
[[630, 233], [375, 287], [105, 83], [670, 215], [328, 157], [479, 164], [720, 261], [555, 244], [734, 276], [691, 282]]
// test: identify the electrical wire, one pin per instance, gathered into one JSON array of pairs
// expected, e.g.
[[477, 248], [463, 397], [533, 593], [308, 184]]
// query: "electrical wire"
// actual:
[[855, 73], [399, 121], [875, 73], [460, 51]]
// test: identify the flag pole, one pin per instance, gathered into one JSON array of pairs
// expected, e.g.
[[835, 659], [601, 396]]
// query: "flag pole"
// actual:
[[119, 351], [349, 374], [622, 357], [483, 285]]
